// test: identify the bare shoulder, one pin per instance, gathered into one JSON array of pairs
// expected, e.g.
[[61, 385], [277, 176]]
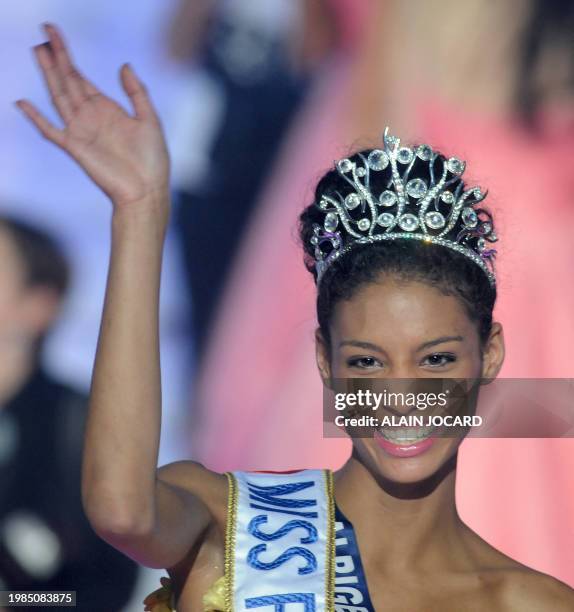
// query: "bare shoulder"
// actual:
[[527, 590], [518, 587], [209, 486]]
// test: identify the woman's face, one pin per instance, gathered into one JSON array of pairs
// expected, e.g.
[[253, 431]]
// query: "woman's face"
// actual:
[[393, 330]]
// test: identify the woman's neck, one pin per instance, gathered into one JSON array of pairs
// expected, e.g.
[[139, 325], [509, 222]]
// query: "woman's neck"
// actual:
[[415, 525]]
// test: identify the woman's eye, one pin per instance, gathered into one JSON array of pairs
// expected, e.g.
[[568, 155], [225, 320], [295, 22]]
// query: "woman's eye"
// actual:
[[439, 359], [364, 363]]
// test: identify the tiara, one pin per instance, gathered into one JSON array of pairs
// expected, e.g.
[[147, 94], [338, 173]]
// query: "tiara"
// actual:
[[436, 210]]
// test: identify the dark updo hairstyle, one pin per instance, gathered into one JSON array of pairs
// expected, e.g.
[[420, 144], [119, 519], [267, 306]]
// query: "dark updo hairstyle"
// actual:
[[405, 260]]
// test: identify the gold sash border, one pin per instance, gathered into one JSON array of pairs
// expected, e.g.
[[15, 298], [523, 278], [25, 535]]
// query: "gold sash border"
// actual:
[[232, 499], [330, 569]]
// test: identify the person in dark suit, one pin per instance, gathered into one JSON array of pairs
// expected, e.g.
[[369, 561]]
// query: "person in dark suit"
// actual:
[[46, 542]]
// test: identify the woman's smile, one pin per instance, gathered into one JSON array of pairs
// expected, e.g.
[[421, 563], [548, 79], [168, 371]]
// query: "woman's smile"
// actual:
[[404, 447]]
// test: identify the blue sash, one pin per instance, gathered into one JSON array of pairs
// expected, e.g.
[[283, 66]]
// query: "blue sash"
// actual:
[[351, 592]]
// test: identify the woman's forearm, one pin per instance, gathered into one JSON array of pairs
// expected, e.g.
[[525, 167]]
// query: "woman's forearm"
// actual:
[[123, 427]]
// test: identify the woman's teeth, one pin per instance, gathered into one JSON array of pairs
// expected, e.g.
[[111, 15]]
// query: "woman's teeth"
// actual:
[[406, 435]]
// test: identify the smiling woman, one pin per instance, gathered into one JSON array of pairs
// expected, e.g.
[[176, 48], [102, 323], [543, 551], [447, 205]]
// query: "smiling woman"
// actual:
[[406, 288], [400, 249]]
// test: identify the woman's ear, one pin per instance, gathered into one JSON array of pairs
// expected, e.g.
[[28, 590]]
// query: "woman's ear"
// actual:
[[322, 356], [493, 353]]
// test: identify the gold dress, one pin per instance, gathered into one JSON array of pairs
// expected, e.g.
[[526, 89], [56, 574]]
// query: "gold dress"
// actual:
[[163, 599]]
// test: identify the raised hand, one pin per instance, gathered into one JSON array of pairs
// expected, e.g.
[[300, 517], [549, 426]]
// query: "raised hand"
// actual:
[[124, 154]]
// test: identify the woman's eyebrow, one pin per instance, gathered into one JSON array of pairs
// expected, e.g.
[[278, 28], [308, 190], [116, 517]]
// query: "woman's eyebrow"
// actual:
[[375, 347], [439, 341], [361, 344]]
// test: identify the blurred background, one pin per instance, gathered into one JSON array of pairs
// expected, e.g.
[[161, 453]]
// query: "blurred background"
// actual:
[[258, 97]]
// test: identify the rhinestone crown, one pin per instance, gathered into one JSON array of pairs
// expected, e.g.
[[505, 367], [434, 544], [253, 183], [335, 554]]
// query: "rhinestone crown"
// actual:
[[438, 211]]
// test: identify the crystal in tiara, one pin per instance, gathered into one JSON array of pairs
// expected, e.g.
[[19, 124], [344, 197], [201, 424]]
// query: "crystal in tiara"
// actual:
[[437, 210]]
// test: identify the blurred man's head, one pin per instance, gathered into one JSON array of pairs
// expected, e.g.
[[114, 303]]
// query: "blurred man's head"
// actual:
[[33, 281]]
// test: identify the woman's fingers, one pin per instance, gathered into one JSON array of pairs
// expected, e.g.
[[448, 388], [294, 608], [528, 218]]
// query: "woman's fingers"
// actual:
[[77, 88], [58, 93], [137, 93], [44, 126], [68, 88]]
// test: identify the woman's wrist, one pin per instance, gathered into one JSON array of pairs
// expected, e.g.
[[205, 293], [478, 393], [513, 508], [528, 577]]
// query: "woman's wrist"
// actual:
[[147, 217]]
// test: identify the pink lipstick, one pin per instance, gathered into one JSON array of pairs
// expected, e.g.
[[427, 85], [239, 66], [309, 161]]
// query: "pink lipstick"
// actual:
[[404, 449]]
